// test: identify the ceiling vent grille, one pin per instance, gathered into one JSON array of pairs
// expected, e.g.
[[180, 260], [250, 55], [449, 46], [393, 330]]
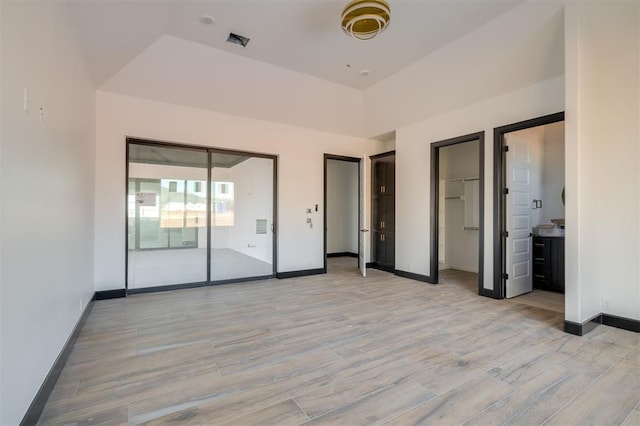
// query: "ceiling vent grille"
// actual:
[[238, 39]]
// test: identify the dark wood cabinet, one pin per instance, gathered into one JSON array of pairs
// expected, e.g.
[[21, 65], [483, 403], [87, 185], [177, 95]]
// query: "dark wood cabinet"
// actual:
[[548, 263], [384, 175], [383, 203]]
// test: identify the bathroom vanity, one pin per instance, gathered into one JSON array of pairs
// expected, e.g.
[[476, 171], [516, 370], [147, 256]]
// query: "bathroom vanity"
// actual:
[[548, 263]]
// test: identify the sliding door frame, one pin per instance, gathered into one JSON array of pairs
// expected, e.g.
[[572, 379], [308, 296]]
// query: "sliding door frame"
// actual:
[[209, 151]]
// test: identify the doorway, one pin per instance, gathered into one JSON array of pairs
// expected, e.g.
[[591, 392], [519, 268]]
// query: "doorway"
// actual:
[[529, 210], [198, 216], [342, 214], [457, 205]]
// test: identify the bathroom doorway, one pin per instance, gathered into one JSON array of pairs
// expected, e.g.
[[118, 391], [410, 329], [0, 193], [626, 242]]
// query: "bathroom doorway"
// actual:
[[529, 211]]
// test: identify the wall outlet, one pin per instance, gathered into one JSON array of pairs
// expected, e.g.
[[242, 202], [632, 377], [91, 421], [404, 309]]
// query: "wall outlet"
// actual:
[[81, 304], [605, 305]]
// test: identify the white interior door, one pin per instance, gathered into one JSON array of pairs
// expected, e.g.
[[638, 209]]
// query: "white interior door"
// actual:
[[364, 232], [518, 215]]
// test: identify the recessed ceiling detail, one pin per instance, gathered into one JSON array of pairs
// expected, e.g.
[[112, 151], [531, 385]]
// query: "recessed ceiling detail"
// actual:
[[302, 36]]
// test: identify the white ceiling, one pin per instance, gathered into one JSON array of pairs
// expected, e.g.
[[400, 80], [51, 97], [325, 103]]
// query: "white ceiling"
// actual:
[[299, 35]]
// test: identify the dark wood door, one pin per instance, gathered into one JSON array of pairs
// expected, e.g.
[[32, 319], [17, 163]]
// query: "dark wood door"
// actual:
[[383, 211]]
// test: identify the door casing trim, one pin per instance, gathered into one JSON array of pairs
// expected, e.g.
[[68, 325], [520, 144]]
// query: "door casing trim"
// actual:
[[328, 157], [499, 214], [435, 201]]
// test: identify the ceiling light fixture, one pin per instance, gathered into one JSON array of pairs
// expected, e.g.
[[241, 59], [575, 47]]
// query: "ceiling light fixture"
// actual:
[[365, 19]]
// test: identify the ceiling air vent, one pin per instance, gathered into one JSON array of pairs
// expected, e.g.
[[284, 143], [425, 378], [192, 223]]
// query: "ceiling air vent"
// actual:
[[237, 39]]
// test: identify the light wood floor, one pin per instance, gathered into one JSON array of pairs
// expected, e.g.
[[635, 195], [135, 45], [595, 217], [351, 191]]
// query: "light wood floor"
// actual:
[[340, 349], [549, 300]]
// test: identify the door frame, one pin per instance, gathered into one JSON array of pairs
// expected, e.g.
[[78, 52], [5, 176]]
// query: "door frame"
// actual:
[[435, 204], [499, 205], [328, 157], [209, 150]]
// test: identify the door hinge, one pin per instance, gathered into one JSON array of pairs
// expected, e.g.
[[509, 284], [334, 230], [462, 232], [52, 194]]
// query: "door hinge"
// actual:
[[505, 276], [505, 234], [505, 148], [505, 191]]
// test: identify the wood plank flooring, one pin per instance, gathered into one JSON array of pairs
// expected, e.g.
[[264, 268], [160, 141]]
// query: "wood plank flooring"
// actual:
[[341, 349], [548, 300]]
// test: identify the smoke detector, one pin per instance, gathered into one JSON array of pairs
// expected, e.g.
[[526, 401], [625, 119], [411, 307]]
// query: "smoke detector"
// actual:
[[207, 20]]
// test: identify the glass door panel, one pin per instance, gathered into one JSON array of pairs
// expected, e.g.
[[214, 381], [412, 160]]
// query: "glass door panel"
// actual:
[[242, 194], [166, 216], [151, 235], [197, 216], [132, 214]]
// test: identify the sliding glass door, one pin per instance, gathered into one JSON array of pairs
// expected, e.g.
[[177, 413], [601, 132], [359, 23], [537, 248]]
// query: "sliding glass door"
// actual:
[[242, 216], [167, 208], [197, 216]]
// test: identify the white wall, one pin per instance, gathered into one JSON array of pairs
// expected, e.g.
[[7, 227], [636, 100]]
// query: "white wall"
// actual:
[[342, 207], [2, 416], [461, 245], [517, 49], [553, 172], [389, 145], [300, 161], [413, 165], [253, 199], [602, 151], [46, 186], [220, 235]]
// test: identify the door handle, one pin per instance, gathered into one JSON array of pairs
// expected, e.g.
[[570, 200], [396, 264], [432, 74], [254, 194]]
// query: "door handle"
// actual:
[[364, 230], [273, 228]]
